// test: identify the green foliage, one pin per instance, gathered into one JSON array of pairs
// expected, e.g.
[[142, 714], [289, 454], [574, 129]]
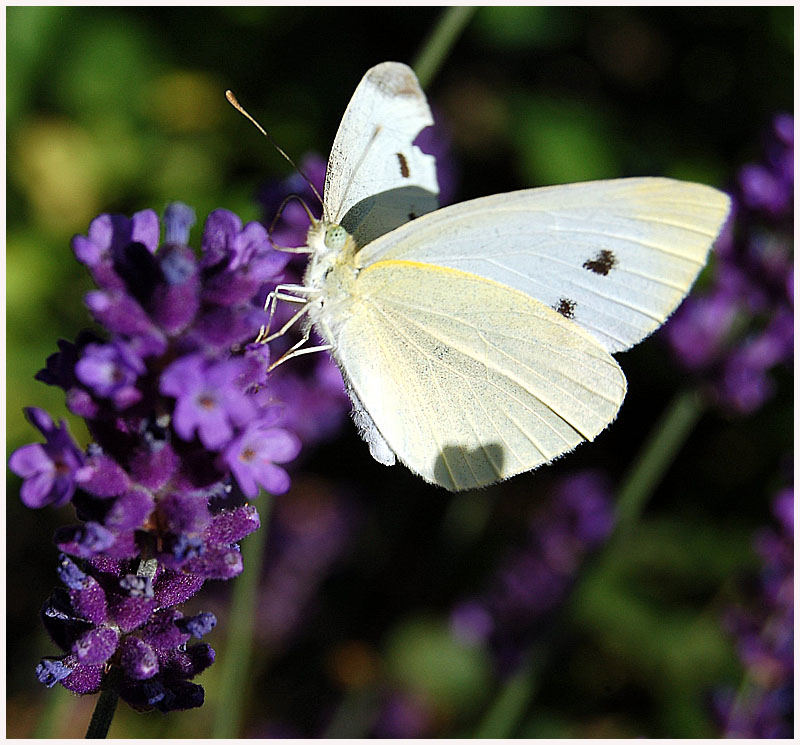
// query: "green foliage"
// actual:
[[423, 657]]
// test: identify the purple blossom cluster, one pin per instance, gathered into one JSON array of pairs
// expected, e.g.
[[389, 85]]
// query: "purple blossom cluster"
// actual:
[[736, 333], [185, 427], [535, 580], [764, 630]]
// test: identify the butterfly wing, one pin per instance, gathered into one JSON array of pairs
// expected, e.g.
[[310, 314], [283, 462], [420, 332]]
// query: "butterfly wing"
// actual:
[[377, 179], [617, 257], [470, 382]]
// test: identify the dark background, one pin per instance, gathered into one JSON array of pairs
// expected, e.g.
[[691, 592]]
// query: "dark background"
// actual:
[[122, 109]]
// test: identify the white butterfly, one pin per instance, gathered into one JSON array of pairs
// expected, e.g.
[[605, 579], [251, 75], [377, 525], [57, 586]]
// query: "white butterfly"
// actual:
[[475, 340]]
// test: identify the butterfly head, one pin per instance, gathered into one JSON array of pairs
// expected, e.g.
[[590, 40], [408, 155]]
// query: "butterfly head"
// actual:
[[335, 237], [327, 237]]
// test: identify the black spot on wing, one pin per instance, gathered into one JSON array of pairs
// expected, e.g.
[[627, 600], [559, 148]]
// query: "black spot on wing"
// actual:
[[404, 172], [603, 263], [566, 307], [412, 216]]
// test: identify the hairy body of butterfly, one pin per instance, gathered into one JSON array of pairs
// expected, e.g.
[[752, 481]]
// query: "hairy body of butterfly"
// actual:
[[475, 340]]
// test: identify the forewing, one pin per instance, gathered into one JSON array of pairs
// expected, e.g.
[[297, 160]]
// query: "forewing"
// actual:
[[617, 257], [376, 178], [470, 382]]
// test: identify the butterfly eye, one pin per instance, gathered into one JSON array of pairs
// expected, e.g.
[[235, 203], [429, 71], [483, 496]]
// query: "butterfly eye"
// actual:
[[335, 237]]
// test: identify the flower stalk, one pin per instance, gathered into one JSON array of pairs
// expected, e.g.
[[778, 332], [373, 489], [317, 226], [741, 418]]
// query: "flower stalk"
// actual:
[[437, 46], [103, 714]]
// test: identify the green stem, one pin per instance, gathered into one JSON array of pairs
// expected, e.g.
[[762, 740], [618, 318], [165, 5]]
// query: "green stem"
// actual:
[[440, 41], [103, 714], [236, 662], [656, 456], [659, 450], [506, 710]]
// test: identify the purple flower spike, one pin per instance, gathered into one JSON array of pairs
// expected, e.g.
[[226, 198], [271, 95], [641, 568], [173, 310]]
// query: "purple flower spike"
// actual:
[[178, 221], [48, 469], [95, 646], [436, 141], [184, 513], [83, 540], [221, 327], [231, 526], [122, 314], [138, 659], [219, 232], [111, 371], [108, 236], [198, 626], [764, 630], [182, 695], [84, 679], [102, 476], [207, 400], [130, 510], [162, 633], [137, 587], [172, 384], [173, 588], [51, 671], [762, 190], [244, 259], [176, 301], [248, 245], [71, 575], [252, 457], [531, 583], [740, 330], [217, 562]]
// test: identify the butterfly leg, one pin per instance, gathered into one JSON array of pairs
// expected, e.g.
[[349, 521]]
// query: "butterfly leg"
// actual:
[[286, 326], [281, 292], [295, 351], [293, 249]]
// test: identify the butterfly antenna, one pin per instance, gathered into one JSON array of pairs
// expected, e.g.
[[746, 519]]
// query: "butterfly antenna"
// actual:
[[236, 105], [286, 201]]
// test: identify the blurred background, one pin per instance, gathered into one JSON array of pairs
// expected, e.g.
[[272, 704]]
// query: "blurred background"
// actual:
[[390, 608]]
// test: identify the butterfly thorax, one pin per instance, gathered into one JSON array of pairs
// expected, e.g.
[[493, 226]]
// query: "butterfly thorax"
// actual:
[[331, 274]]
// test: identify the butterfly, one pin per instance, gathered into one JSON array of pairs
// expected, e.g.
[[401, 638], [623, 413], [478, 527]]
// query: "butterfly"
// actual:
[[475, 340]]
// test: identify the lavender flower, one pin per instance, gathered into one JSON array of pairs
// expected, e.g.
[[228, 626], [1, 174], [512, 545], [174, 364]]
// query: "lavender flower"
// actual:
[[111, 371], [252, 457], [184, 427], [741, 329], [108, 616], [207, 399], [48, 470], [764, 629]]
